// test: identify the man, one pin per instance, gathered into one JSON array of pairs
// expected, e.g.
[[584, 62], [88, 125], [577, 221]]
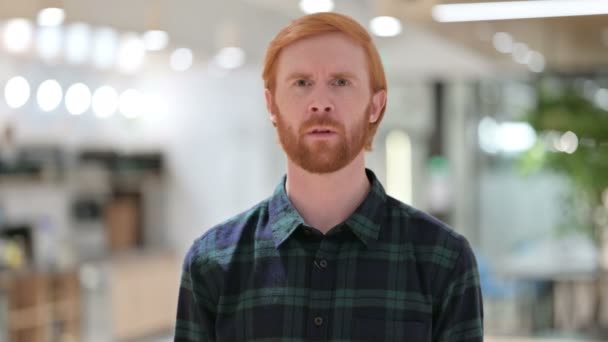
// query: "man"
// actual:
[[329, 256]]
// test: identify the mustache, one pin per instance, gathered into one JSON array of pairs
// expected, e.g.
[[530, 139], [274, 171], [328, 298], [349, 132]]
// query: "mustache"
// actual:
[[321, 121]]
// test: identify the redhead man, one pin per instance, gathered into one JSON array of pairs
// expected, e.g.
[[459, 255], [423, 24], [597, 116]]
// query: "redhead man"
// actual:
[[329, 256]]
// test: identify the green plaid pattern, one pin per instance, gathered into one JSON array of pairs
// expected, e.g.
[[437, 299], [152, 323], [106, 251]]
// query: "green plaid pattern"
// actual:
[[388, 273]]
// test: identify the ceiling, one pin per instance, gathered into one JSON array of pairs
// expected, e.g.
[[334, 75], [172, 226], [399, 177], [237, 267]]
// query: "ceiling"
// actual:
[[569, 44], [572, 45]]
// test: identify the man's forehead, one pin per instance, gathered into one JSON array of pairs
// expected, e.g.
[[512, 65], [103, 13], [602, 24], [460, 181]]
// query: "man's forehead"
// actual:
[[332, 42], [335, 52]]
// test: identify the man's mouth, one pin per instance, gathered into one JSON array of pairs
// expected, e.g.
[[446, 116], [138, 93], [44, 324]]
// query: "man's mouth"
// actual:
[[321, 131]]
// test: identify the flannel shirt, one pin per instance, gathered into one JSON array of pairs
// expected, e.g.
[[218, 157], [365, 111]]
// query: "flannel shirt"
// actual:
[[388, 273]]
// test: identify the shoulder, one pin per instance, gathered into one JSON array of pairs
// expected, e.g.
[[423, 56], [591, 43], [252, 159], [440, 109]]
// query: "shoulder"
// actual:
[[442, 255], [433, 240], [218, 242]]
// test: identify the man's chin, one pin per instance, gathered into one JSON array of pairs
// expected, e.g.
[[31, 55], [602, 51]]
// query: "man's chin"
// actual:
[[322, 163], [321, 169]]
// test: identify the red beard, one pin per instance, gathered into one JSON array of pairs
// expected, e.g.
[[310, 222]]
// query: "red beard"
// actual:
[[322, 156]]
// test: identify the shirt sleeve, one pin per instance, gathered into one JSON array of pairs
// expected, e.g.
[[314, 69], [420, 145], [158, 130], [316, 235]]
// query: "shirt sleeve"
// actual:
[[459, 316], [195, 309]]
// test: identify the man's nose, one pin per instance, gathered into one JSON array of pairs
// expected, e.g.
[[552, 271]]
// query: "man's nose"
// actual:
[[321, 106]]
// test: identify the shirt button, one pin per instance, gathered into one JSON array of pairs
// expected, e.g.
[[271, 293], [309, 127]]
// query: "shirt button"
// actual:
[[318, 321]]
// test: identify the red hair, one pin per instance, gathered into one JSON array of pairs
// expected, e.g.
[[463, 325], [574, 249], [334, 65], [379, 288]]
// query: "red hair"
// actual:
[[320, 23]]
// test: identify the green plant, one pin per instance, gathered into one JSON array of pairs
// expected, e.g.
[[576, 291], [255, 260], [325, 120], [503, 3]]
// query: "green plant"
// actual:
[[562, 108]]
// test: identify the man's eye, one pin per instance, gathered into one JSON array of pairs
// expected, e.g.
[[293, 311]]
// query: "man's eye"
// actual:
[[302, 83], [341, 82]]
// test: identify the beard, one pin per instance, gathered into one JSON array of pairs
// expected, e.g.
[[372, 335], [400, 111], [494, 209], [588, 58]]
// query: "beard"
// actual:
[[323, 155]]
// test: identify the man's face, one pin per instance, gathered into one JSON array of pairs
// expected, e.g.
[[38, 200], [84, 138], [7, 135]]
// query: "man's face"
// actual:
[[322, 104]]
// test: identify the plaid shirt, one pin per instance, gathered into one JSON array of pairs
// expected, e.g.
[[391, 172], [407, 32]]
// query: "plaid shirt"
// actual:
[[388, 273]]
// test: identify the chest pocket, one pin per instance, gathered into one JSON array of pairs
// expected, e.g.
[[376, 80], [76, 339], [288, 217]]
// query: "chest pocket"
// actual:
[[371, 329], [258, 314]]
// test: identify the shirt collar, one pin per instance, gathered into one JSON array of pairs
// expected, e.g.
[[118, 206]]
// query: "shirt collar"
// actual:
[[365, 222]]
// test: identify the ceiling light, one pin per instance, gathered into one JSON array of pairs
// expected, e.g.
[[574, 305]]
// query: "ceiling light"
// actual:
[[230, 58], [503, 42], [155, 40], [385, 26], [315, 6], [131, 53], [17, 92], [520, 52], [105, 101], [18, 35], [48, 42], [536, 61], [51, 16], [105, 45], [181, 59], [77, 99], [78, 43], [480, 11], [49, 95]]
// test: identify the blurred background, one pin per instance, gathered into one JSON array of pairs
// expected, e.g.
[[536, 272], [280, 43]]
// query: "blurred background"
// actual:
[[128, 128]]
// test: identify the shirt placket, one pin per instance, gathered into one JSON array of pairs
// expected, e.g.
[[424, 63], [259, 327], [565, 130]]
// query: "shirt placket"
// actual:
[[322, 280]]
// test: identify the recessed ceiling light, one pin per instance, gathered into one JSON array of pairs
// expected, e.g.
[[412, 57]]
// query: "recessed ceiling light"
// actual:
[[155, 40], [315, 6], [230, 57], [181, 59], [49, 95], [77, 99], [18, 35], [480, 11], [17, 92], [52, 16], [385, 26]]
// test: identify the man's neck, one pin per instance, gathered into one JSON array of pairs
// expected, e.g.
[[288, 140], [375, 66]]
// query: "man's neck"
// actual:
[[325, 200]]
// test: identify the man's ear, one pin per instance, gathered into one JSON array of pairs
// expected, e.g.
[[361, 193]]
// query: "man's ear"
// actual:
[[377, 104], [269, 101]]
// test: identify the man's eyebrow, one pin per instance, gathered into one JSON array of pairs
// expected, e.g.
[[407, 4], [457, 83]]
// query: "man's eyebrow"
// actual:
[[303, 75], [297, 76], [344, 74]]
